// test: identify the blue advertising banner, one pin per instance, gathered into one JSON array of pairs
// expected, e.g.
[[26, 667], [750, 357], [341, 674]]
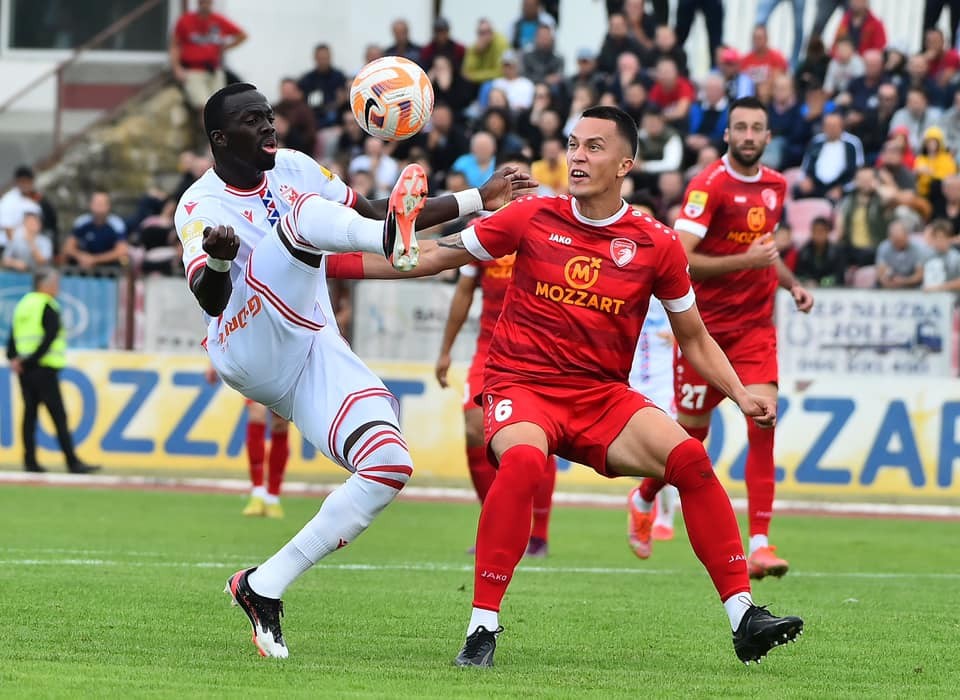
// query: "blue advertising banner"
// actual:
[[88, 305]]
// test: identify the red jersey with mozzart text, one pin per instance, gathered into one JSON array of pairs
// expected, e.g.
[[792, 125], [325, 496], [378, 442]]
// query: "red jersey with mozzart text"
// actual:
[[728, 212], [494, 279], [580, 289]]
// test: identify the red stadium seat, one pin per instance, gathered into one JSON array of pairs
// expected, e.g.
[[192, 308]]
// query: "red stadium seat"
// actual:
[[792, 176], [802, 212], [865, 277]]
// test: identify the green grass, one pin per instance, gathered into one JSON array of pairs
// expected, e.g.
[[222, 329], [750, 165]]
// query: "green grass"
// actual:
[[118, 593]]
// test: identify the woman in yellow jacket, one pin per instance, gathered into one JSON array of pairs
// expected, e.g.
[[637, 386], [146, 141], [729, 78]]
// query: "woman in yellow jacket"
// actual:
[[934, 162]]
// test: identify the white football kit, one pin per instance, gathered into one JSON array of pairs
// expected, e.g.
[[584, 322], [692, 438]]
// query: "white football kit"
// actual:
[[652, 370], [277, 340]]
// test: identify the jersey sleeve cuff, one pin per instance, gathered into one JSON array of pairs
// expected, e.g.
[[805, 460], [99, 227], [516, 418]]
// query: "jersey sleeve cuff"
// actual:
[[682, 304], [468, 270], [473, 245], [687, 226]]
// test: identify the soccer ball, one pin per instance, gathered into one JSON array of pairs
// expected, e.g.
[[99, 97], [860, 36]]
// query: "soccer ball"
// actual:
[[391, 98]]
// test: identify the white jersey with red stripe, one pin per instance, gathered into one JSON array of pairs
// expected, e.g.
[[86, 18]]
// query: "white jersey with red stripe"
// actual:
[[254, 212], [652, 370]]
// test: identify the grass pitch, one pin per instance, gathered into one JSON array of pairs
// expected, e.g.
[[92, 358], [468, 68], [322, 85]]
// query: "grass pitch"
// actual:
[[118, 594]]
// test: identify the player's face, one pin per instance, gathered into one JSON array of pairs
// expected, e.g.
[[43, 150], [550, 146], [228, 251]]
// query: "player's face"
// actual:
[[596, 157], [747, 135], [248, 133]]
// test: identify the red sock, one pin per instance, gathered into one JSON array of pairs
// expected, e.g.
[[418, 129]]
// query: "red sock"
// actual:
[[650, 487], [709, 519], [503, 532], [760, 478], [279, 452], [255, 452], [482, 473], [543, 500]]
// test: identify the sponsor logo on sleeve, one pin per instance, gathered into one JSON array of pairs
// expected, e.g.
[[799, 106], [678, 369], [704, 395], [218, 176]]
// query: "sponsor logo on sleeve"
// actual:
[[326, 173], [696, 204], [193, 229]]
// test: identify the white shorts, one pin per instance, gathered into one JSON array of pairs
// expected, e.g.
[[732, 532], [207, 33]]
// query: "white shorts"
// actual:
[[274, 345]]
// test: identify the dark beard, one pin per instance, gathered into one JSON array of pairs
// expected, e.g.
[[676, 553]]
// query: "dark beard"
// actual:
[[743, 160]]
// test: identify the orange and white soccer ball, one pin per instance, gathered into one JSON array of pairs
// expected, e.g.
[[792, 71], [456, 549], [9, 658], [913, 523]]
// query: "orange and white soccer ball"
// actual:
[[391, 98]]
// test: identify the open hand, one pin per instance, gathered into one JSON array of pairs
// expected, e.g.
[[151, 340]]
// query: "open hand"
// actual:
[[505, 185], [802, 298], [221, 242], [443, 364]]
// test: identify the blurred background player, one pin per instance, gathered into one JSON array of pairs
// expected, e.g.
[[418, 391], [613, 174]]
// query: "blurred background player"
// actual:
[[492, 278], [652, 375], [729, 214]]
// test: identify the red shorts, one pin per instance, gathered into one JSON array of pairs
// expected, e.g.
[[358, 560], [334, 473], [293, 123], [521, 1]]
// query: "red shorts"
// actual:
[[474, 383], [753, 354], [580, 423]]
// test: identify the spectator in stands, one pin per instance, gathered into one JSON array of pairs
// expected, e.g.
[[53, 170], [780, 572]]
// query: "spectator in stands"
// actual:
[[941, 271], [783, 239], [860, 23], [942, 62], [862, 219], [845, 65], [295, 121], [583, 97], [950, 123], [916, 116], [705, 157], [737, 84], [670, 186], [897, 185], [708, 116], [765, 8], [442, 45], [532, 15], [28, 248], [673, 93], [640, 25], [948, 206], [816, 105], [820, 262], [825, 10], [931, 15], [587, 74], [191, 167], [665, 46], [99, 237], [20, 199], [377, 161], [481, 62], [445, 139], [325, 88], [763, 64], [197, 45], [713, 16], [497, 121], [478, 165], [364, 184], [635, 101], [813, 70], [157, 236], [860, 93], [873, 125], [788, 129], [616, 42], [449, 86], [519, 89], [402, 46], [933, 164], [900, 259], [830, 162], [542, 63], [917, 77], [661, 150], [629, 71], [551, 169]]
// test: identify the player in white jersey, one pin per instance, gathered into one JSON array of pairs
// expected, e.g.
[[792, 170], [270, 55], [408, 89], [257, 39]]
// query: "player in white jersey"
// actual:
[[256, 229], [652, 375]]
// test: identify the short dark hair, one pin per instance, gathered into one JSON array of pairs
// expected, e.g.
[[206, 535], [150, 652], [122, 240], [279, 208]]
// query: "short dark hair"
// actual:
[[626, 127], [23, 171], [821, 221], [213, 109], [942, 226], [748, 102]]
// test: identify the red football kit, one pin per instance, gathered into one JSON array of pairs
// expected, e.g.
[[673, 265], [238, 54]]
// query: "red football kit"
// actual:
[[201, 39], [728, 212], [561, 351], [494, 279]]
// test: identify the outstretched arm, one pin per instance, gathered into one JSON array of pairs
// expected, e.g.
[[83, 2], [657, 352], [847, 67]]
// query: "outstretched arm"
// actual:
[[435, 256], [457, 316]]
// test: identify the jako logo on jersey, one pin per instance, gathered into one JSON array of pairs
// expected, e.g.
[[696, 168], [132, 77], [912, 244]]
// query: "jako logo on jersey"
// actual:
[[756, 218], [622, 251], [696, 204], [557, 238], [190, 206], [239, 321], [769, 198], [582, 272], [248, 215]]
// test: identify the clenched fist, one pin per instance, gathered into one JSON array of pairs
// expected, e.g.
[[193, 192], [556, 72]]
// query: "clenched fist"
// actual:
[[221, 242]]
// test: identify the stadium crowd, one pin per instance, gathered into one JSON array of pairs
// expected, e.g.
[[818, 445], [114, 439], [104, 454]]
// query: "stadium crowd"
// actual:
[[866, 134]]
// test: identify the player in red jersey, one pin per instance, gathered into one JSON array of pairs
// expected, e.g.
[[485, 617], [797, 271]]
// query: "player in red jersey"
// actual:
[[557, 368], [730, 212], [492, 278]]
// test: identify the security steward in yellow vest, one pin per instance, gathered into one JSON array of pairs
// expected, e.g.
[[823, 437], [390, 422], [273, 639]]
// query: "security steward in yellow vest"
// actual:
[[37, 352]]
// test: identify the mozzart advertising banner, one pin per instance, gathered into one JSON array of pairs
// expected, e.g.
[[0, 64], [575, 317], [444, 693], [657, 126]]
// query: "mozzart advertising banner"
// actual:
[[897, 437]]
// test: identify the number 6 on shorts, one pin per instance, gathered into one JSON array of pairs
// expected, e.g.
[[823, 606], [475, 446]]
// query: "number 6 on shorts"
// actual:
[[503, 410]]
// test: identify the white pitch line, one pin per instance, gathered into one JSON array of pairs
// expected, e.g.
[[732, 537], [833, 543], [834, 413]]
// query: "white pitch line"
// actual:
[[462, 568], [426, 493]]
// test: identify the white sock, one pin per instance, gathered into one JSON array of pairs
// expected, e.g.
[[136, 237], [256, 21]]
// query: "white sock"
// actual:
[[271, 499], [483, 618], [258, 492], [317, 224], [640, 504], [758, 541], [666, 506], [273, 576], [736, 606]]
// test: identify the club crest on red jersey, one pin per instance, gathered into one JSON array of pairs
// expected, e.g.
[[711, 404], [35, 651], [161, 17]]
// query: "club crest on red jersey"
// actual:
[[769, 198], [622, 251]]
